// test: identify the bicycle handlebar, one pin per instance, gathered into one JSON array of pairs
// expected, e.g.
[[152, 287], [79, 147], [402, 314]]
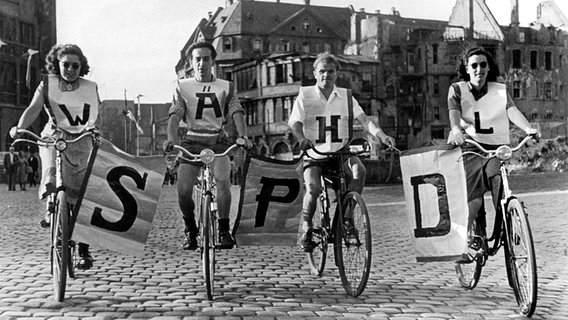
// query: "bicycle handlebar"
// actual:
[[343, 150], [199, 157], [48, 141], [503, 152]]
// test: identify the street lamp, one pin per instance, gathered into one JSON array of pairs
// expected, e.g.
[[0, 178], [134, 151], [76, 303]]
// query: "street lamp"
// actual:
[[138, 119]]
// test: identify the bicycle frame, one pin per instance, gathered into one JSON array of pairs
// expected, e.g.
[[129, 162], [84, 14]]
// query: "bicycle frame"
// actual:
[[350, 233], [511, 230], [207, 224], [62, 248]]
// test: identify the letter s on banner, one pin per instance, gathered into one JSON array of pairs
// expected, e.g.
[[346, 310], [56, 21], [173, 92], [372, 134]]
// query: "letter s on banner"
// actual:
[[129, 203], [120, 200]]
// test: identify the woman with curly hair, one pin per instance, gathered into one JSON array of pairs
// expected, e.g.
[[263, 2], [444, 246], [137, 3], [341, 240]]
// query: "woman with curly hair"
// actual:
[[72, 105], [480, 108]]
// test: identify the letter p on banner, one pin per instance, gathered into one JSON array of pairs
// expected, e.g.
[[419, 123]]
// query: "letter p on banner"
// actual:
[[436, 200], [270, 203]]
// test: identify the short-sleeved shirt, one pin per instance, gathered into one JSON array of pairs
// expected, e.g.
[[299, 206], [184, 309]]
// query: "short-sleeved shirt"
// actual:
[[205, 107], [483, 112], [327, 122]]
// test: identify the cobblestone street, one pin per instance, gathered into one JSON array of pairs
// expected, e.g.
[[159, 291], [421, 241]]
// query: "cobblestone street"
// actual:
[[273, 282]]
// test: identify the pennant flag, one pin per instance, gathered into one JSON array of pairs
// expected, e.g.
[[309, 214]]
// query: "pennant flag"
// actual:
[[270, 203], [31, 53], [119, 200], [130, 116], [435, 193], [2, 43]]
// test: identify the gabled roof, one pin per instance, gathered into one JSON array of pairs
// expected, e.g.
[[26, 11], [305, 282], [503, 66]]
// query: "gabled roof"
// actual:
[[260, 17], [284, 26], [485, 25]]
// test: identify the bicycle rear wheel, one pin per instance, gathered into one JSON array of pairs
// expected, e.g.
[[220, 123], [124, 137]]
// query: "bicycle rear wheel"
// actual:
[[353, 248], [521, 259], [469, 273], [60, 251], [207, 247], [320, 236]]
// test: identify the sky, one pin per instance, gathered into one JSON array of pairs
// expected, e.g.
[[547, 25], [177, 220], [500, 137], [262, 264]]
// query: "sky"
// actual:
[[134, 45]]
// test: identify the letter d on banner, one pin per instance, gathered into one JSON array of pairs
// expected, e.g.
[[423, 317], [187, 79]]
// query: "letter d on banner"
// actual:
[[436, 200]]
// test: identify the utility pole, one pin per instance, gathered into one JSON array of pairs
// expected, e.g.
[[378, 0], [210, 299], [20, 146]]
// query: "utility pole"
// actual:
[[138, 119]]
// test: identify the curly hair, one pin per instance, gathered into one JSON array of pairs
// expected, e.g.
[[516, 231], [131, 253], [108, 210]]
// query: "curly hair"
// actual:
[[57, 51], [493, 73], [202, 44]]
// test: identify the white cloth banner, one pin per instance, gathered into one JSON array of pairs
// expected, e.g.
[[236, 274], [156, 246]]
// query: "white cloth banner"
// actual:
[[435, 193], [271, 202], [120, 200]]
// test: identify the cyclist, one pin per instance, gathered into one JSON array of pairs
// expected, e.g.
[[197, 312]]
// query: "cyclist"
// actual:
[[480, 108], [72, 105], [205, 104], [326, 102]]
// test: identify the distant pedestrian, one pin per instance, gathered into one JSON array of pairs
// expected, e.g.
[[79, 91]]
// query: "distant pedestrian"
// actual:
[[33, 165], [11, 168], [21, 174]]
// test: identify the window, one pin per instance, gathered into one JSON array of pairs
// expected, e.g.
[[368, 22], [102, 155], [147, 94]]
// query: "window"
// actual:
[[436, 85], [436, 113], [27, 34], [548, 60], [548, 90], [517, 89], [435, 53], [560, 61], [517, 59], [284, 45], [327, 47], [228, 44], [534, 59], [306, 46], [257, 45], [286, 107]]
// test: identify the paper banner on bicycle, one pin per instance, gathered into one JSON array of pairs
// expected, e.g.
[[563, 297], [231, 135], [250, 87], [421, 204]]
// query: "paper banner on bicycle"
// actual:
[[120, 200], [270, 202], [435, 193]]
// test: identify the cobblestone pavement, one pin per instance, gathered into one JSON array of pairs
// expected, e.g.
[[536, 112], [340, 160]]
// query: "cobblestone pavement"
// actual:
[[272, 282]]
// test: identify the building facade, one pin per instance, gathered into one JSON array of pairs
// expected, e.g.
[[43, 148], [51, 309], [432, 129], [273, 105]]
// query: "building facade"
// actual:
[[26, 28], [419, 60], [120, 129]]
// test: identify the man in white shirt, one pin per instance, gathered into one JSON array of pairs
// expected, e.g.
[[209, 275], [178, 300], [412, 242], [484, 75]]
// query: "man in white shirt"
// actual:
[[322, 117]]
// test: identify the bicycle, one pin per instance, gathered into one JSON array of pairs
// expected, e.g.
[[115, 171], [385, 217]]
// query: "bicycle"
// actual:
[[350, 230], [512, 231], [63, 215], [204, 197]]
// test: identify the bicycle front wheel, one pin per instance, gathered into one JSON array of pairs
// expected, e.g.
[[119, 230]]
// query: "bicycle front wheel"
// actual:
[[521, 259], [207, 246], [353, 244], [60, 251]]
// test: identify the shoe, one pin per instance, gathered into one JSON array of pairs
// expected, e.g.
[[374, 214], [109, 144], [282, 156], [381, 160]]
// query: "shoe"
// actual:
[[46, 221], [306, 242], [351, 233], [190, 241], [85, 259], [226, 241]]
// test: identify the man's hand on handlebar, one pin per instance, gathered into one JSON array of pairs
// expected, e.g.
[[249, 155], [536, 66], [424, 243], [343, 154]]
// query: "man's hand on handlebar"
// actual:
[[14, 132], [306, 144], [387, 140], [167, 146]]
